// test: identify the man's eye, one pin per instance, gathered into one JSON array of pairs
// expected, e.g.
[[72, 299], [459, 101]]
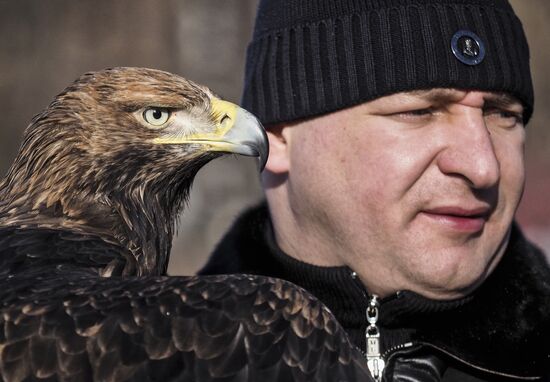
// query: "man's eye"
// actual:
[[504, 118], [415, 114], [420, 112]]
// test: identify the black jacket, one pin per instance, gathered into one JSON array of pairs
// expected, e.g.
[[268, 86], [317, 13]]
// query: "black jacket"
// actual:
[[500, 332]]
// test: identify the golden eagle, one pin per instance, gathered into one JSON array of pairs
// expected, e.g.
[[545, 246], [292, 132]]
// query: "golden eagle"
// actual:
[[87, 213]]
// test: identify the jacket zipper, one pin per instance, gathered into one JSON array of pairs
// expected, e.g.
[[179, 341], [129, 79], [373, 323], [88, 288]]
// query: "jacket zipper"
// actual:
[[396, 348], [376, 361]]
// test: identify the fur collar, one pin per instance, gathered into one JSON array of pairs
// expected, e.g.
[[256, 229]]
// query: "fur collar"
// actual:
[[502, 328]]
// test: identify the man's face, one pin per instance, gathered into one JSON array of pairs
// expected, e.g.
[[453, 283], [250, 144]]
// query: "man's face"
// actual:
[[413, 191]]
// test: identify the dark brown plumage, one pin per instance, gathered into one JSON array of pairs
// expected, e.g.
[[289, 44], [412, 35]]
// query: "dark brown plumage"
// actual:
[[87, 213]]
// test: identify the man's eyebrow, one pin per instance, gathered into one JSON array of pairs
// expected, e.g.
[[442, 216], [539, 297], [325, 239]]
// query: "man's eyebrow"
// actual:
[[438, 95], [505, 100], [492, 99]]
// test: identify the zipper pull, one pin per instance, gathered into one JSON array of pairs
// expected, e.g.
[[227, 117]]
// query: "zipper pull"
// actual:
[[375, 361]]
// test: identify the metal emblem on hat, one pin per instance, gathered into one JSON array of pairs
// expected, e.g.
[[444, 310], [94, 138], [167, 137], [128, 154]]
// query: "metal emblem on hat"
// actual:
[[468, 47]]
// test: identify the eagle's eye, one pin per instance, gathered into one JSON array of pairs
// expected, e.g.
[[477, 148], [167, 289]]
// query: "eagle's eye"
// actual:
[[156, 116]]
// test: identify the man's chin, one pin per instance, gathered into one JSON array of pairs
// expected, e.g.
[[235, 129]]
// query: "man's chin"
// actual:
[[451, 291], [453, 273]]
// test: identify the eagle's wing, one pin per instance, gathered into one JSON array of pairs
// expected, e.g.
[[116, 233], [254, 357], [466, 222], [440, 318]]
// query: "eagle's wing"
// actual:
[[64, 322]]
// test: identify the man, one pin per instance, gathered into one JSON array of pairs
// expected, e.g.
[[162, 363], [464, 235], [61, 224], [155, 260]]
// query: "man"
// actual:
[[396, 131]]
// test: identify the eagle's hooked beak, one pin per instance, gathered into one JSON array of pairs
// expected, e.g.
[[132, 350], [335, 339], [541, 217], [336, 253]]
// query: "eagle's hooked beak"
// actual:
[[240, 132]]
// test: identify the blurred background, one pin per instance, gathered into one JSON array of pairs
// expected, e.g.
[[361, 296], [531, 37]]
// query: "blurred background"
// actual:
[[46, 44]]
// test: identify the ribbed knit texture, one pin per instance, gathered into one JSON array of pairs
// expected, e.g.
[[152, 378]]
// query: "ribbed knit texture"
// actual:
[[310, 57]]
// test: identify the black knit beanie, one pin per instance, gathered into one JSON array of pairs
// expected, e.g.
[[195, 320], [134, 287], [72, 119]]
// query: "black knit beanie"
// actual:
[[310, 57]]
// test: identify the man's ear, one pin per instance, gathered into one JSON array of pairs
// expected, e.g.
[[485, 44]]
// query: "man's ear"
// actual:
[[278, 161]]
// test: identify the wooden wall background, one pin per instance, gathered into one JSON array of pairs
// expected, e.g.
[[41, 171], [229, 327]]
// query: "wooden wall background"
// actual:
[[46, 44]]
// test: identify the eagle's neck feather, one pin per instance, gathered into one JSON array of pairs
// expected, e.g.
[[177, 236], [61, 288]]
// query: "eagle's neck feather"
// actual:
[[138, 220]]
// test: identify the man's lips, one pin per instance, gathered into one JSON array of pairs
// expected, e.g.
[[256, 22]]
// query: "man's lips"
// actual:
[[458, 218]]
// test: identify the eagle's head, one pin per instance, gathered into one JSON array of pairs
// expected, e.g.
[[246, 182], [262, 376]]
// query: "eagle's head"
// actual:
[[117, 151]]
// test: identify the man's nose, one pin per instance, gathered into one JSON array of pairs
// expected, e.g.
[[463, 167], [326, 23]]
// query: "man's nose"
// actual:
[[469, 150]]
